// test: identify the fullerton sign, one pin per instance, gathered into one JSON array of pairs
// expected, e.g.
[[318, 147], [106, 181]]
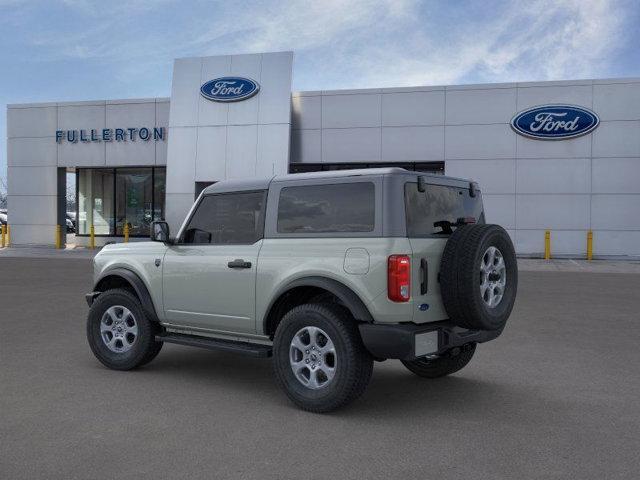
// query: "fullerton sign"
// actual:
[[111, 135], [555, 122]]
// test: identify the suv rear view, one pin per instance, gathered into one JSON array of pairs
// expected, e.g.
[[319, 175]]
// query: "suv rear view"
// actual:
[[326, 272]]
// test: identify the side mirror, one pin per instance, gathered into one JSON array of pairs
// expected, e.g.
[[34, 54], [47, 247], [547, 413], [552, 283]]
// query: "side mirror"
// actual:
[[160, 232]]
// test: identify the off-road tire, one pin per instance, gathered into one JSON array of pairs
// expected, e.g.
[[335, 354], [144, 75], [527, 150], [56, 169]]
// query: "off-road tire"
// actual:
[[354, 364], [145, 347], [460, 277], [442, 366]]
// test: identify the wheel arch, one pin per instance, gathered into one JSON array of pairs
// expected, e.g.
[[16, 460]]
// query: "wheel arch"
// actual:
[[125, 278], [309, 287]]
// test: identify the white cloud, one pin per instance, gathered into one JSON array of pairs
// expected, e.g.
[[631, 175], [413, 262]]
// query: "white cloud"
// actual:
[[363, 43]]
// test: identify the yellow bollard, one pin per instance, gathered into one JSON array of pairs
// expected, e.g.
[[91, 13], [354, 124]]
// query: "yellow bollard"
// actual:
[[589, 245], [92, 237], [58, 237], [126, 232], [8, 234], [4, 235], [547, 244]]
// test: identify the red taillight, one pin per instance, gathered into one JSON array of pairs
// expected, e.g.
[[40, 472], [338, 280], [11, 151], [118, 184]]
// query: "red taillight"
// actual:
[[399, 278]]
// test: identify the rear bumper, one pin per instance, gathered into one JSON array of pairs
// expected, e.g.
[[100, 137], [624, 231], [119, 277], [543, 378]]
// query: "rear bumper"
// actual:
[[410, 341]]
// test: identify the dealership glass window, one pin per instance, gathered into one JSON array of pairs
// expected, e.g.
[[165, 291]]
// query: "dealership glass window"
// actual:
[[226, 219], [346, 207], [95, 201], [107, 198]]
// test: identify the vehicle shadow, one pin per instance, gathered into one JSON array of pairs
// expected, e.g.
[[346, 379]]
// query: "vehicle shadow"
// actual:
[[393, 391]]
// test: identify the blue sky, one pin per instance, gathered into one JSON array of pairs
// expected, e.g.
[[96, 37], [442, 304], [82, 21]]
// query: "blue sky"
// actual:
[[86, 49]]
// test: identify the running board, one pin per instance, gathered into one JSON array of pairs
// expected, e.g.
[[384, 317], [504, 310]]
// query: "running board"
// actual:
[[251, 349]]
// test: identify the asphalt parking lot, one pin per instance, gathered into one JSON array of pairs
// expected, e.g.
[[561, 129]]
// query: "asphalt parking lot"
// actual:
[[557, 396]]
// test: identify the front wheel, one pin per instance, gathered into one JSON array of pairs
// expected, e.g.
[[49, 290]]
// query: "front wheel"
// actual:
[[119, 332], [449, 363], [319, 358]]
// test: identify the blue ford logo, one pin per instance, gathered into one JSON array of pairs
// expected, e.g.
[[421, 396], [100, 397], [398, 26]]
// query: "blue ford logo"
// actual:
[[229, 89], [555, 122]]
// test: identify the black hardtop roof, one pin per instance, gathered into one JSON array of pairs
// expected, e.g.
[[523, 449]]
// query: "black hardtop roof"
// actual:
[[235, 185]]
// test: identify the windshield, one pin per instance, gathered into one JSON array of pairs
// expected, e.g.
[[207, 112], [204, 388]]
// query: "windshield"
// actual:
[[439, 209]]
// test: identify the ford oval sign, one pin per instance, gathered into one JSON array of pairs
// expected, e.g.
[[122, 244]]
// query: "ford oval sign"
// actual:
[[229, 89], [555, 122]]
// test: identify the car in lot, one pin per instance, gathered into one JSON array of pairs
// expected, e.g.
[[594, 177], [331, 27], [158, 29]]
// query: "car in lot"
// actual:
[[326, 272]]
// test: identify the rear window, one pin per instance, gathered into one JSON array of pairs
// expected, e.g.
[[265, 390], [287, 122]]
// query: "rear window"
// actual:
[[343, 207], [436, 210]]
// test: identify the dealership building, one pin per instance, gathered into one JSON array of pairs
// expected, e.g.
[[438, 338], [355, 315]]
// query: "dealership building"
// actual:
[[559, 156]]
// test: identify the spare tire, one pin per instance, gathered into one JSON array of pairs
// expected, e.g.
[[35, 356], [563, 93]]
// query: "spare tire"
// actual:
[[479, 277]]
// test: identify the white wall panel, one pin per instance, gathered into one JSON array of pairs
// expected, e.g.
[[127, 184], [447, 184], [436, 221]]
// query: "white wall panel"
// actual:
[[41, 235], [81, 154], [615, 212], [137, 152], [125, 115], [563, 242], [616, 243], [162, 120], [479, 142], [306, 112], [565, 212], [213, 113], [275, 98], [494, 176], [32, 209], [616, 175], [574, 148], [241, 151], [412, 108], [617, 139], [272, 150], [40, 152], [82, 117], [500, 209], [412, 143], [211, 151], [246, 111], [181, 173], [617, 102], [32, 122], [495, 105], [559, 175], [346, 111], [306, 146], [32, 180], [541, 95], [351, 145], [185, 92]]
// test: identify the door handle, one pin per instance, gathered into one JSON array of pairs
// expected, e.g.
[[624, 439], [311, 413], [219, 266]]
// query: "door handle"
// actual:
[[239, 263], [424, 277]]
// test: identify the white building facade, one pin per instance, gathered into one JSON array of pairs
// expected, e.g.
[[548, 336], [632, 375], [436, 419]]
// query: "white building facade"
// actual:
[[140, 160]]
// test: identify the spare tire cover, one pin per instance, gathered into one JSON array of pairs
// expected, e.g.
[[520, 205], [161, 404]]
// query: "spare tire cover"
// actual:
[[479, 277]]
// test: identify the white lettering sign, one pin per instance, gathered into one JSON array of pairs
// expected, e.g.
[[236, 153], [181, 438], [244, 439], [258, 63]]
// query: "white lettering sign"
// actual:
[[548, 122]]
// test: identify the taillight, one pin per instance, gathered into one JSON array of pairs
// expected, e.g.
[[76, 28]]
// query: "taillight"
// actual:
[[399, 278]]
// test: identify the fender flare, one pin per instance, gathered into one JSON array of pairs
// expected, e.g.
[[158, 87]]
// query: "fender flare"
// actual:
[[136, 283], [347, 296]]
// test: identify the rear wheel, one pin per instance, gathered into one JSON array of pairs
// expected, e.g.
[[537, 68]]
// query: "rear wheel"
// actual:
[[119, 332], [451, 362], [319, 358]]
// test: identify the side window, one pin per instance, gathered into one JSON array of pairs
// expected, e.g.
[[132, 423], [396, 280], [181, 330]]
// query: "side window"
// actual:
[[227, 219], [342, 207]]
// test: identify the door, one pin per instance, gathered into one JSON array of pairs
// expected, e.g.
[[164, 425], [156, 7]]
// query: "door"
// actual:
[[209, 275]]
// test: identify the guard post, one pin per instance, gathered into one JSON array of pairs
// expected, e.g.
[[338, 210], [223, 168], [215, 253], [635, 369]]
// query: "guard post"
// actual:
[[547, 244], [589, 245]]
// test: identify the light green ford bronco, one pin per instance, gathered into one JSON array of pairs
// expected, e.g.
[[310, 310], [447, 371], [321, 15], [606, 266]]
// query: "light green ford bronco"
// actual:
[[325, 271]]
